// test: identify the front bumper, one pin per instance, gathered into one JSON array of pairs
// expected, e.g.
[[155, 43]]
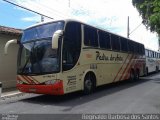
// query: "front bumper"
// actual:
[[55, 89]]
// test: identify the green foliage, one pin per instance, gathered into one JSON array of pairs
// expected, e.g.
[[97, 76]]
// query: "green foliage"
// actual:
[[150, 12]]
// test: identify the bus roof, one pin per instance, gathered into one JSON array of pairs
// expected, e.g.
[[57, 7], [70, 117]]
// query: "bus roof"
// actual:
[[67, 20], [152, 50]]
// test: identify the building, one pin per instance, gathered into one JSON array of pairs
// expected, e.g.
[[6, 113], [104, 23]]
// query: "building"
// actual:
[[8, 63]]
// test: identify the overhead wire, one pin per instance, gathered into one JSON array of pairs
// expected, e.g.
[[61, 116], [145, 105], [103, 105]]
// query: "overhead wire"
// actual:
[[135, 28], [41, 8], [53, 10], [27, 9]]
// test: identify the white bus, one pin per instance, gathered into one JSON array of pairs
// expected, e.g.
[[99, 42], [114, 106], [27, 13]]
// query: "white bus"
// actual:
[[152, 61], [65, 56]]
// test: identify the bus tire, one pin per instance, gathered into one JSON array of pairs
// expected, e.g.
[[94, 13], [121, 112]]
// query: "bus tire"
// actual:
[[89, 84]]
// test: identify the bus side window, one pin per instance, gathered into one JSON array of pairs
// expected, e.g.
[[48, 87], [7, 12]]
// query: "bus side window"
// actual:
[[146, 53], [149, 54], [71, 45], [104, 40], [90, 36], [142, 50], [67, 59], [115, 41], [124, 45], [136, 47], [130, 46]]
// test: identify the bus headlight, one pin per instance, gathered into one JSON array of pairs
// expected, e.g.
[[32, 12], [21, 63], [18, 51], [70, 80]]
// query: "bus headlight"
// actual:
[[50, 82]]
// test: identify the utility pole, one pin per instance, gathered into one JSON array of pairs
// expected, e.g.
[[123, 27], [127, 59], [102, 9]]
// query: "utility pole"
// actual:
[[69, 3], [128, 28], [128, 32]]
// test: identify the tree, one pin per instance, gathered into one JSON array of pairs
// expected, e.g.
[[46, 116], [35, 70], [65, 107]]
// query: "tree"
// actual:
[[150, 12]]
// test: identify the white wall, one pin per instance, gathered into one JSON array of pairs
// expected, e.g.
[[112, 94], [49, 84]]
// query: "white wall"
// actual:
[[8, 63]]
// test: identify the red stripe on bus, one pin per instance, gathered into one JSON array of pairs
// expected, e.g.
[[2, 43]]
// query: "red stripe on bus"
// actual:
[[34, 79], [128, 64], [19, 79], [128, 72], [121, 68], [24, 77], [31, 80]]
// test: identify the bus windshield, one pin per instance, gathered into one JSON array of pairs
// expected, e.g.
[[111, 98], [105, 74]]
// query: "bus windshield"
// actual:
[[41, 31], [38, 58], [36, 55]]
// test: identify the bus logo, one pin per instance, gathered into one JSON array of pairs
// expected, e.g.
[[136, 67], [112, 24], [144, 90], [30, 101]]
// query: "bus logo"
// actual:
[[89, 55]]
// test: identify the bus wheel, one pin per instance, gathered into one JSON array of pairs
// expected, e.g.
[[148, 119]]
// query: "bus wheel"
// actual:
[[132, 75], [89, 84]]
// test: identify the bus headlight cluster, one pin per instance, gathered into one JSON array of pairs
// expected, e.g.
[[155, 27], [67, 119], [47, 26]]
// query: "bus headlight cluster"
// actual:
[[50, 82]]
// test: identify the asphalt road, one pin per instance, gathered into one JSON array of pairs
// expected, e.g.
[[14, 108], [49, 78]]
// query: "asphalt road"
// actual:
[[142, 96]]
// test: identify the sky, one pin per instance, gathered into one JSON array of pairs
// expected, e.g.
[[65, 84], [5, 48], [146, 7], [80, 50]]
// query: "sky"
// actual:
[[107, 14]]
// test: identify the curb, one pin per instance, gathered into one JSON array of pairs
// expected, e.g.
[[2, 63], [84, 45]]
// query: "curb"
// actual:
[[11, 95]]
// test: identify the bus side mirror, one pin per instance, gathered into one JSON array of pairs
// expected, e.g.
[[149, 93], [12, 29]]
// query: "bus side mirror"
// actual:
[[7, 45], [55, 38]]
